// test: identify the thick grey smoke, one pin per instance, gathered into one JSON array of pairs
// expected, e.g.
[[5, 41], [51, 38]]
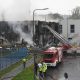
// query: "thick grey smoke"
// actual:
[[18, 28]]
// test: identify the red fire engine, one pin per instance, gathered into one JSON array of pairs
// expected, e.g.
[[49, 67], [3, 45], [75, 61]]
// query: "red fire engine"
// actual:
[[53, 55]]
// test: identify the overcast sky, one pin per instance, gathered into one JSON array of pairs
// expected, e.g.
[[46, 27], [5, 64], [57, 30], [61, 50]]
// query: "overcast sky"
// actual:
[[20, 9], [14, 9], [57, 6]]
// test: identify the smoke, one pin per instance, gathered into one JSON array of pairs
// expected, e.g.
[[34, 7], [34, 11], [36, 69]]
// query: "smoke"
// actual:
[[15, 10], [18, 28]]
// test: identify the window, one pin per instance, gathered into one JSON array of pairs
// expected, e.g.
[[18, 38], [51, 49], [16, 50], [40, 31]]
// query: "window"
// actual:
[[72, 28], [60, 29], [48, 55]]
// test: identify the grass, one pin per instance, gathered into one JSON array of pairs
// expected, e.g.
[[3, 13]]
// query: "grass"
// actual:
[[13, 66], [26, 74], [10, 68]]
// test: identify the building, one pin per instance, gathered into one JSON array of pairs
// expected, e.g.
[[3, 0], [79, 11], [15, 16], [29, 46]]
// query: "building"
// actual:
[[70, 29]]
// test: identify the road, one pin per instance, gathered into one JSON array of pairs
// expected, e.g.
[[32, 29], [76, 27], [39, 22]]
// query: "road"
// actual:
[[70, 65]]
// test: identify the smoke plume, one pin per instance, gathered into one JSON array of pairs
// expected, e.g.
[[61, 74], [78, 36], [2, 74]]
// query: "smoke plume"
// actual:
[[18, 28]]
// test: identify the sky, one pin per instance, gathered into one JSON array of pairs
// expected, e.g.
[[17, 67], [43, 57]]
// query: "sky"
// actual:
[[57, 6], [14, 9], [22, 9]]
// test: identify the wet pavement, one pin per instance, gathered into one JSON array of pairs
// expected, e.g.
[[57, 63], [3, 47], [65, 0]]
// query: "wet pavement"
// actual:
[[71, 65]]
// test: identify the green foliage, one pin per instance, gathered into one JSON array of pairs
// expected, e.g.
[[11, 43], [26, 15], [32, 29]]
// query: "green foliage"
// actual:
[[26, 74], [75, 13]]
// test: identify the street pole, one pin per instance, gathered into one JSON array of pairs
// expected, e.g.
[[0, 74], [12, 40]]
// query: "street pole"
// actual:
[[33, 37], [67, 27]]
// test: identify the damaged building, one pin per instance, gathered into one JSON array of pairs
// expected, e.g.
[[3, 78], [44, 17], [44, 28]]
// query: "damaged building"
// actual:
[[43, 35]]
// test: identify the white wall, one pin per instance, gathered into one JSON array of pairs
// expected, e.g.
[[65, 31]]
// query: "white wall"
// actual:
[[66, 30]]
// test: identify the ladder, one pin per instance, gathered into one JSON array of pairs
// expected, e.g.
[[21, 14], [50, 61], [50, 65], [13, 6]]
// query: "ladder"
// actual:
[[58, 36]]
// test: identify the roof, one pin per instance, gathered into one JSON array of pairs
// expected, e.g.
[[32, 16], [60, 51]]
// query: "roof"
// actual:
[[51, 50]]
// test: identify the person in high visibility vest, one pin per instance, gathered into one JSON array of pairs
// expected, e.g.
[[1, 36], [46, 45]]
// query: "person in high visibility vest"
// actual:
[[24, 62], [44, 68]]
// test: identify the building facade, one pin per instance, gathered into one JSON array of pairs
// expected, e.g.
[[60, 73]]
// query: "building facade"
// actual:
[[70, 29]]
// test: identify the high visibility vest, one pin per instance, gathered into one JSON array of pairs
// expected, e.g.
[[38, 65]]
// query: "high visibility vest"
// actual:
[[24, 60], [44, 68], [40, 68]]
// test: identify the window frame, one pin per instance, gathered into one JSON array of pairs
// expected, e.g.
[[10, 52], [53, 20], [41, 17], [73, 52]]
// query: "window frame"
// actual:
[[60, 29], [72, 28]]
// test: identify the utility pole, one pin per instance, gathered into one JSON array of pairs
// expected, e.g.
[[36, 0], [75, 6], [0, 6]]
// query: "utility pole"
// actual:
[[67, 27], [33, 37]]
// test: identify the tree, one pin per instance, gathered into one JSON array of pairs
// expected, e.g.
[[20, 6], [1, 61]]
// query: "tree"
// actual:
[[75, 13], [55, 16]]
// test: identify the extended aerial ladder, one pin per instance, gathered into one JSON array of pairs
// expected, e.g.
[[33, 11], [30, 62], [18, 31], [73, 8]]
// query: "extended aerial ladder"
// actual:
[[66, 44]]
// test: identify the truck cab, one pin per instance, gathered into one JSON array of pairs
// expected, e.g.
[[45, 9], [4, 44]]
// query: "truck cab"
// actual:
[[52, 56]]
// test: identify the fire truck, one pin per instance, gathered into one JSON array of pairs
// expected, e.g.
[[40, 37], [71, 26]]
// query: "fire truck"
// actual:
[[54, 54]]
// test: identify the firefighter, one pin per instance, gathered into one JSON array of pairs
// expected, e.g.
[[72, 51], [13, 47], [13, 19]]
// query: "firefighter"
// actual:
[[44, 68], [40, 70], [24, 62]]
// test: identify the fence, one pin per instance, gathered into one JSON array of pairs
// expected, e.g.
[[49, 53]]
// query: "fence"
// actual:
[[11, 56]]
